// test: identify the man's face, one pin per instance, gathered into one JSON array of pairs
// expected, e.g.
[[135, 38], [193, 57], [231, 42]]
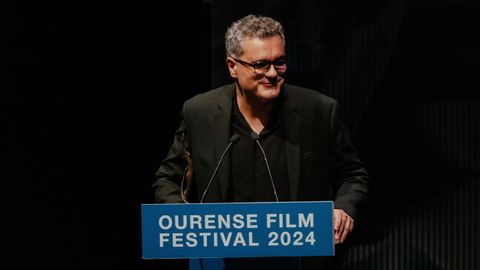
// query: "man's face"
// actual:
[[258, 84]]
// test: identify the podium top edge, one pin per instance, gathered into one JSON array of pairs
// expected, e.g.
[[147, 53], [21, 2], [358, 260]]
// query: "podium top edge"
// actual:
[[230, 203]]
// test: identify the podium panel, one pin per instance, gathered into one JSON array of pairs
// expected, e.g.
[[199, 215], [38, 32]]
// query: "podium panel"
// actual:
[[233, 230]]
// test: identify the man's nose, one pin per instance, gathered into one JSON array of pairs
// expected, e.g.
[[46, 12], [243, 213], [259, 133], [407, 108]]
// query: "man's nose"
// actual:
[[271, 72]]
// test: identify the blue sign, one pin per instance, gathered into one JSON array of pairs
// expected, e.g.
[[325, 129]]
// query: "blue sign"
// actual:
[[212, 230]]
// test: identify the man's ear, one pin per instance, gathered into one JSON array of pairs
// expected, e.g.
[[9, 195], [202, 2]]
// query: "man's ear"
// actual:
[[232, 67]]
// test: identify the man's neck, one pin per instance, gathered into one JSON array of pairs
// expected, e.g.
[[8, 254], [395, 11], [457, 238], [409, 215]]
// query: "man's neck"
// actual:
[[256, 112]]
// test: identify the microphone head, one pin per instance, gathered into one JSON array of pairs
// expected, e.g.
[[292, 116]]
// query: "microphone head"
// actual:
[[254, 136], [234, 139]]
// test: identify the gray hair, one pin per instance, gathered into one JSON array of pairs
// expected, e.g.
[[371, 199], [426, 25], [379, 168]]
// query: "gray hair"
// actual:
[[250, 26]]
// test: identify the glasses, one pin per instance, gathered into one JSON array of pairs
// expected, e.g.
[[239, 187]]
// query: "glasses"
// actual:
[[262, 67]]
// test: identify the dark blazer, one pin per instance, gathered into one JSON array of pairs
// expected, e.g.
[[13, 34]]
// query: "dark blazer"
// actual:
[[322, 163]]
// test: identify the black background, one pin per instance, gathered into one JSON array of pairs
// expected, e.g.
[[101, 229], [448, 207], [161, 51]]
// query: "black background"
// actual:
[[96, 89]]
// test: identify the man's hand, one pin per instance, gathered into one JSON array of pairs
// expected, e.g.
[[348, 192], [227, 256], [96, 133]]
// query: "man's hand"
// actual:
[[342, 225]]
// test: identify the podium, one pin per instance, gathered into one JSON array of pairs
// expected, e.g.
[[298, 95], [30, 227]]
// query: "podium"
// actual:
[[201, 232]]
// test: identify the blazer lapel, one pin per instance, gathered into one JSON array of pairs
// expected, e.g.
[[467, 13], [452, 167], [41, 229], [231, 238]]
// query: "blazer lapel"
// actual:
[[292, 133], [221, 134]]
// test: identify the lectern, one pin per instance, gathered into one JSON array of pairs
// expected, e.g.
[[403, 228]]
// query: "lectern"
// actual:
[[236, 230]]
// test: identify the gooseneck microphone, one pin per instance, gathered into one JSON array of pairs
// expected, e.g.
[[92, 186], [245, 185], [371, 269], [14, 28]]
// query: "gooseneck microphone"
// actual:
[[233, 140], [256, 138]]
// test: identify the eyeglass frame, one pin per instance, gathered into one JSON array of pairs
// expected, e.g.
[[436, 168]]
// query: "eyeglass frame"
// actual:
[[270, 64]]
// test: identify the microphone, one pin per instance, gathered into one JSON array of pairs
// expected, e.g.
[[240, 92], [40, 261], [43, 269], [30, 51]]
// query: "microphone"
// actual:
[[233, 140], [256, 138]]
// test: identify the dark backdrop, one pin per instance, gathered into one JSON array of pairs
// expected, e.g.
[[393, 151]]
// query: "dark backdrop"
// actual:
[[94, 91]]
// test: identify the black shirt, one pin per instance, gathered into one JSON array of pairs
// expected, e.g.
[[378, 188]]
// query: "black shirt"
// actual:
[[250, 181]]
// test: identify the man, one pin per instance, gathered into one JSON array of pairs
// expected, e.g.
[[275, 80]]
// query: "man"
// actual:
[[308, 150]]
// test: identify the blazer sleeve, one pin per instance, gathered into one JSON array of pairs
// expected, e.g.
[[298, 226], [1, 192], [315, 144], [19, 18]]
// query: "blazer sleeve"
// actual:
[[167, 179], [350, 180]]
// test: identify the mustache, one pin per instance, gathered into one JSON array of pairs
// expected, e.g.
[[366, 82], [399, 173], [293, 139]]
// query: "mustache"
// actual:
[[274, 80]]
